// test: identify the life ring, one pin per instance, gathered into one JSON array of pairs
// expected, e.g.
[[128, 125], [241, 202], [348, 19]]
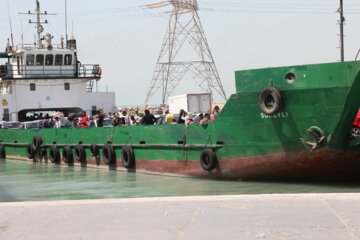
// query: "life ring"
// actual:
[[80, 154], [97, 70], [127, 157], [37, 141], [94, 149], [30, 151], [208, 159], [270, 100], [67, 155], [108, 154], [54, 154], [2, 152]]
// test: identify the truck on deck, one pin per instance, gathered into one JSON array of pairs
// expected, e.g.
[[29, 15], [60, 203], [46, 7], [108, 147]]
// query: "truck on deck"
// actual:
[[190, 102]]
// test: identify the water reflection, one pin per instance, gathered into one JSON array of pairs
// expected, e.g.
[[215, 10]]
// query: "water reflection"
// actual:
[[27, 181]]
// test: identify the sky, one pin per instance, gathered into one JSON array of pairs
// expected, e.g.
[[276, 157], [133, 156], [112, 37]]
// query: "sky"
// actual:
[[125, 37]]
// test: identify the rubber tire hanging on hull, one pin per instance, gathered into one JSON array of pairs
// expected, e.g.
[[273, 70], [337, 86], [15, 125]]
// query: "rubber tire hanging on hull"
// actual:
[[208, 159], [270, 100], [37, 141], [68, 155], [54, 154], [127, 157], [30, 151], [2, 152], [109, 156], [80, 154], [94, 149], [42, 151]]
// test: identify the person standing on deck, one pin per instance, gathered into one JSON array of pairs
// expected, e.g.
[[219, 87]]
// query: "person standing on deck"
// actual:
[[205, 121], [148, 119], [125, 119], [57, 123], [181, 118], [3, 123], [214, 113], [99, 119], [169, 117], [84, 121], [133, 120]]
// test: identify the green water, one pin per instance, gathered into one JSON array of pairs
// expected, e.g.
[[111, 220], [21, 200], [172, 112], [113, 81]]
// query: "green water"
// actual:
[[27, 181]]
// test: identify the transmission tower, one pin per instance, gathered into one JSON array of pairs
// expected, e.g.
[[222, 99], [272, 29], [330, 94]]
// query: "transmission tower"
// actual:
[[184, 31]]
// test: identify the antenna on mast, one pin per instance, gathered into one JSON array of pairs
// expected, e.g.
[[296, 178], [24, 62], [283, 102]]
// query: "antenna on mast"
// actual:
[[66, 24], [11, 29], [341, 22], [184, 30], [38, 22]]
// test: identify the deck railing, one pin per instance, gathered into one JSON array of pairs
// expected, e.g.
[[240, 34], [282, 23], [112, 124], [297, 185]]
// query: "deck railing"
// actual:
[[90, 71]]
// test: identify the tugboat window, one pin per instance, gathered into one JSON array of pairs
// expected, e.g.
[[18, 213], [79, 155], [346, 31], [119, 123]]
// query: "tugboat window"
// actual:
[[58, 59], [49, 59], [68, 59], [40, 59], [67, 86], [30, 59], [32, 87]]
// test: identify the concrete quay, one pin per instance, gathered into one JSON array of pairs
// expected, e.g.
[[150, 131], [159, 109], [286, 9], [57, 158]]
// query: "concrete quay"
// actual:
[[278, 216]]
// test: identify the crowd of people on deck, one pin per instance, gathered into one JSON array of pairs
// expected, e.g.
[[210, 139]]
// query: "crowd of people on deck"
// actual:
[[123, 118], [187, 118]]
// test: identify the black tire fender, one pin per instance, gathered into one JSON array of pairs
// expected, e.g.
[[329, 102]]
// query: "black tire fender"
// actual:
[[270, 100], [54, 154], [208, 159], [2, 152], [68, 156], [94, 149], [43, 152], [127, 157], [80, 153], [37, 141], [109, 154], [30, 151]]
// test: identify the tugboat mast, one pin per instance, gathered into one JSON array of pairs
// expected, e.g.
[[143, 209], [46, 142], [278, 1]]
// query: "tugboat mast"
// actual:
[[39, 27], [38, 22]]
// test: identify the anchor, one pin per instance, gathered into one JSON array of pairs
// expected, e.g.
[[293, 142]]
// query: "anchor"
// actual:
[[318, 136]]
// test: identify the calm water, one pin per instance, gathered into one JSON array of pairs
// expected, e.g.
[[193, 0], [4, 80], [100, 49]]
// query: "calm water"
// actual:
[[27, 181]]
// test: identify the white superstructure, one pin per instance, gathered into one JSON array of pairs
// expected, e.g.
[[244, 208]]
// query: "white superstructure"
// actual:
[[45, 77]]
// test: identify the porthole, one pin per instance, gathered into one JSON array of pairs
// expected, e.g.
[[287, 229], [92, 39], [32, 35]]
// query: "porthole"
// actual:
[[290, 77]]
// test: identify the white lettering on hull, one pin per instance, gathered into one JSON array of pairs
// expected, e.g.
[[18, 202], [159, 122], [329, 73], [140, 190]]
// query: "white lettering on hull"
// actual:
[[278, 115]]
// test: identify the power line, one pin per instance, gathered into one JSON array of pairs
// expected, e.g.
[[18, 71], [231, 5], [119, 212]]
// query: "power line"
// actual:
[[229, 7]]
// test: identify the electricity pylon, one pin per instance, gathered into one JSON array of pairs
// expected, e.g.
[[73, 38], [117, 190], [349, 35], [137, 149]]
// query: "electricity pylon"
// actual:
[[184, 31]]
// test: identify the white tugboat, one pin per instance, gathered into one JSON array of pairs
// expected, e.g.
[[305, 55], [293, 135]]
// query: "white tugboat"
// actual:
[[46, 77]]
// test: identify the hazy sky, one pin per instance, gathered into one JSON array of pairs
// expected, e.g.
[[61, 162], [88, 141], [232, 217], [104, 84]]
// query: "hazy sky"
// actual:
[[125, 37]]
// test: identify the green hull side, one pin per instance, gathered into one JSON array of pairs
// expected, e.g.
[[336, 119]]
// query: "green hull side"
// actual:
[[154, 135], [323, 95], [316, 76]]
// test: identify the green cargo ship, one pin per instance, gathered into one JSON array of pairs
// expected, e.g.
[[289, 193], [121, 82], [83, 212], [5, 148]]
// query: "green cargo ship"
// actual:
[[290, 122]]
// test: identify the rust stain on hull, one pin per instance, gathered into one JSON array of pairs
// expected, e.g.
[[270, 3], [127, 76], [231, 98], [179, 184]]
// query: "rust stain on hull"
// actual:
[[327, 165], [322, 165]]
